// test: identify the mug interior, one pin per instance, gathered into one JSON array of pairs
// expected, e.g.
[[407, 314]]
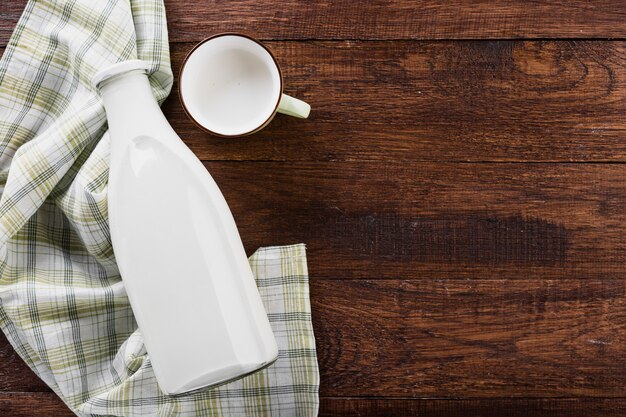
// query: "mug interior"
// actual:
[[230, 85]]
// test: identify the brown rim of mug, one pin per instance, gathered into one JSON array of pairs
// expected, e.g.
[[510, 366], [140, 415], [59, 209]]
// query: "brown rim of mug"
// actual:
[[180, 84]]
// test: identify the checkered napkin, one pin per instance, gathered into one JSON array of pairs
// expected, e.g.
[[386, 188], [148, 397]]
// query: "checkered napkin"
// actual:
[[63, 306]]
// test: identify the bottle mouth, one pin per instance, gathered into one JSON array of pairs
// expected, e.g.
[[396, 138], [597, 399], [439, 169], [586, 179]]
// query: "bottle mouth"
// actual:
[[118, 69]]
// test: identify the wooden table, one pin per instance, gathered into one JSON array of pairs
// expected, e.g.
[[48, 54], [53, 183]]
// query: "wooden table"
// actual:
[[461, 188]]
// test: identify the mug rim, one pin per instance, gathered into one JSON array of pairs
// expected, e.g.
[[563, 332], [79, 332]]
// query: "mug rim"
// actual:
[[180, 84]]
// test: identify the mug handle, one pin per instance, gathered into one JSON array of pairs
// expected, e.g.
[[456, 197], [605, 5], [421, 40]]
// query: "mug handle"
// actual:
[[293, 107]]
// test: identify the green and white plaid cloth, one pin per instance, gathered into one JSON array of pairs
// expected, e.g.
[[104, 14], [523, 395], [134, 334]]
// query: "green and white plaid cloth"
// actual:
[[63, 305]]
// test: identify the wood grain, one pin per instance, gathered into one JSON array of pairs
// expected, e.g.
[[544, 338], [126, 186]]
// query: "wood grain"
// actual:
[[424, 220], [464, 338], [498, 101], [49, 405], [28, 404], [566, 407], [10, 12], [383, 19], [475, 338], [437, 101], [15, 375], [399, 19], [512, 277], [459, 266]]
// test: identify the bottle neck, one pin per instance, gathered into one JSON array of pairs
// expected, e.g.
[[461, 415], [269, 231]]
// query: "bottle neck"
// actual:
[[130, 104], [127, 85], [128, 101]]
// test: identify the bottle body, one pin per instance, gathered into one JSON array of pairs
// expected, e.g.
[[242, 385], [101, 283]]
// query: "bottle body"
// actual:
[[178, 250]]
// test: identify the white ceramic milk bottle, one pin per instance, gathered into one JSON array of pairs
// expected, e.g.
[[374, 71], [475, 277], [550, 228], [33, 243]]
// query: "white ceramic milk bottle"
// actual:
[[177, 247]]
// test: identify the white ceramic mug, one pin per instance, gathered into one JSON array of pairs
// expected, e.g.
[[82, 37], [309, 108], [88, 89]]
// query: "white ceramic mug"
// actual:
[[231, 85]]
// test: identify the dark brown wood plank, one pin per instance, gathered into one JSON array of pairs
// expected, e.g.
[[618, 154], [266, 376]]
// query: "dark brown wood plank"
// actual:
[[426, 220], [466, 338], [22, 404], [398, 19], [394, 19], [48, 405], [475, 338], [541, 246], [442, 101], [437, 101], [10, 12], [15, 375], [566, 407]]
